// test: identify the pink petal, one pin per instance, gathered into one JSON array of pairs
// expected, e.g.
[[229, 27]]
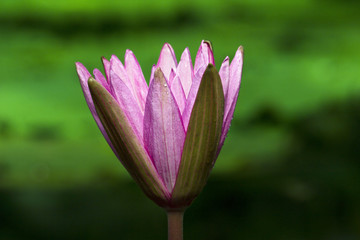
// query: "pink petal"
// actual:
[[128, 104], [185, 71], [101, 79], [171, 77], [132, 152], [235, 80], [192, 96], [84, 76], [178, 92], [233, 92], [136, 78], [152, 74], [164, 133], [118, 68], [204, 56], [106, 64], [167, 60], [225, 76]]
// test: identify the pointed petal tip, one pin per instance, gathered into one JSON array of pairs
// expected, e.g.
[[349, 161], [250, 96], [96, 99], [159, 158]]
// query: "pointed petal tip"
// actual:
[[239, 52], [82, 71], [167, 45], [204, 55], [186, 54], [167, 59], [241, 49], [104, 59], [128, 52], [113, 56], [208, 42], [238, 58], [79, 65]]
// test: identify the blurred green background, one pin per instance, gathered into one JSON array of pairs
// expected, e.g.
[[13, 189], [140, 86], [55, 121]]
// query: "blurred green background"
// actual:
[[289, 168]]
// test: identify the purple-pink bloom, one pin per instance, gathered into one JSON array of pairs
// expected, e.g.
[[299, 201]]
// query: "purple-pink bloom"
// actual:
[[157, 116]]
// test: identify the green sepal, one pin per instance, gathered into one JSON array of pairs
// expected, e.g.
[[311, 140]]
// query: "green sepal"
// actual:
[[127, 145], [202, 139]]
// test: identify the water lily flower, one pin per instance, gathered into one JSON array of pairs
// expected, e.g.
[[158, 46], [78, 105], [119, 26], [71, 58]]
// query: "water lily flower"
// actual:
[[169, 133]]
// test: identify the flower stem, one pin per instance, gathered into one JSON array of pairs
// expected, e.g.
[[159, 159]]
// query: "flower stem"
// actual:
[[175, 225]]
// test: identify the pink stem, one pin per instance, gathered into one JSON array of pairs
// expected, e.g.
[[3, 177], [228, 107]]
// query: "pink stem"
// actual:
[[175, 225]]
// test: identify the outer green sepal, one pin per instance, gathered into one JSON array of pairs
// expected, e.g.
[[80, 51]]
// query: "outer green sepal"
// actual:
[[202, 139], [130, 151]]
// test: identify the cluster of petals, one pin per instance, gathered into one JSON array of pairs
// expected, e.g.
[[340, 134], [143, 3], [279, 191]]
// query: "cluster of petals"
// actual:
[[159, 113]]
